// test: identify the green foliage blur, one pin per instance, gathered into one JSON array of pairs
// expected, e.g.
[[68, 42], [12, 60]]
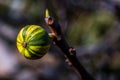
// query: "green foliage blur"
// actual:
[[91, 26]]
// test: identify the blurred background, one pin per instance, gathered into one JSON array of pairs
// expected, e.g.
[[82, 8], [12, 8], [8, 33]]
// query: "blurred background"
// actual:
[[91, 26]]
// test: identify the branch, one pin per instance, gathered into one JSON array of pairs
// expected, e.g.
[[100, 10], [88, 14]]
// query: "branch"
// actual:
[[69, 52]]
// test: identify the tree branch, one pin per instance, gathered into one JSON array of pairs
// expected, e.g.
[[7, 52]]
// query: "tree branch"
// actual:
[[69, 52]]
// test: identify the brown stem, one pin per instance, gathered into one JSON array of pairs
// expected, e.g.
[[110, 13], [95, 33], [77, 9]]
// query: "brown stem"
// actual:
[[73, 59], [63, 45]]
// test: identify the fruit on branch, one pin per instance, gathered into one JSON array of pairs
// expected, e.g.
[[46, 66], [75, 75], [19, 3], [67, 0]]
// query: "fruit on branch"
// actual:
[[33, 42]]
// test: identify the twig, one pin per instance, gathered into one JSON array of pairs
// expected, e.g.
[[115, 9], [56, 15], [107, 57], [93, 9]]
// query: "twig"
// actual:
[[69, 52]]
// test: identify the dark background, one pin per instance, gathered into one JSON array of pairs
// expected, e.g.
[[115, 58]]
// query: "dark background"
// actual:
[[91, 26]]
